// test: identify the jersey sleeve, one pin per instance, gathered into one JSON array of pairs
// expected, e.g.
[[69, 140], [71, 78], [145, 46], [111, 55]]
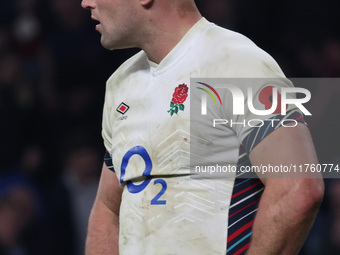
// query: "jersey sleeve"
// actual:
[[257, 134], [107, 133], [106, 127], [108, 161], [251, 128]]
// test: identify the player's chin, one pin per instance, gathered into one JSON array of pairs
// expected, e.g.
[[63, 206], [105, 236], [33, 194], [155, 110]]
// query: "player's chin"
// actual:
[[107, 44], [113, 45]]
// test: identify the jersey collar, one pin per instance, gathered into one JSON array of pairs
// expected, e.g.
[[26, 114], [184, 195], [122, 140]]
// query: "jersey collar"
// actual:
[[180, 50]]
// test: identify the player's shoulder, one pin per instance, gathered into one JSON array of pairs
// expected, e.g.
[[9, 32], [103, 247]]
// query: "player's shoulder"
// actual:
[[234, 43], [238, 54], [136, 63]]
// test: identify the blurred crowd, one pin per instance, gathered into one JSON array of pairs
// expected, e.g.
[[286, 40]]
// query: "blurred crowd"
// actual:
[[52, 82]]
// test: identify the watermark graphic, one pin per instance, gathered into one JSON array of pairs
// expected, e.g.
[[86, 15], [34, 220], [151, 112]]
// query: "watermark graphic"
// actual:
[[275, 102], [229, 117], [204, 96]]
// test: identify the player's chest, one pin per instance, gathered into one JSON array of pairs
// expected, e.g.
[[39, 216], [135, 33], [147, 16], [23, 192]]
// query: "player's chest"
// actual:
[[151, 106], [155, 117]]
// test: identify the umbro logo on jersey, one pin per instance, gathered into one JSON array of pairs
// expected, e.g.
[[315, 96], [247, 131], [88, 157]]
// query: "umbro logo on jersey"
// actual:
[[122, 108]]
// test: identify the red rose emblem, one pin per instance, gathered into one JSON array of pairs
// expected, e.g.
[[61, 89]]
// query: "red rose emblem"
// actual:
[[178, 98], [180, 94]]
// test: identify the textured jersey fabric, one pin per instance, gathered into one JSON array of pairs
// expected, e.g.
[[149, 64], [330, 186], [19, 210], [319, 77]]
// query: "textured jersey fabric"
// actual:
[[163, 209]]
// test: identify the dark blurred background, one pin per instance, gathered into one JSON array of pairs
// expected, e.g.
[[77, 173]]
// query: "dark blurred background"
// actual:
[[52, 82]]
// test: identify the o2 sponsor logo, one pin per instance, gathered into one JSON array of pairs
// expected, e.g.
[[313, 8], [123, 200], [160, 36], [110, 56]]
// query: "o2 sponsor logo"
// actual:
[[133, 188]]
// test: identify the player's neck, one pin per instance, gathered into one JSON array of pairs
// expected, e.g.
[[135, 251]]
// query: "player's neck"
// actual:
[[163, 36]]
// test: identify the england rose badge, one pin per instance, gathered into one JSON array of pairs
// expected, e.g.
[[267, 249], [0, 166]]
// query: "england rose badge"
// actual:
[[178, 98]]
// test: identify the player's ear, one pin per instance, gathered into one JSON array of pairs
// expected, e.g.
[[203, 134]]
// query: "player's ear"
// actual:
[[146, 3]]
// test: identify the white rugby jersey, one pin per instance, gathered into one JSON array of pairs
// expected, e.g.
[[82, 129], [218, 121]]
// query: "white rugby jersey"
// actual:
[[146, 131]]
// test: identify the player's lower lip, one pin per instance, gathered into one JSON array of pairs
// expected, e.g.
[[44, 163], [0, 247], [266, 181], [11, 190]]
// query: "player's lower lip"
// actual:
[[98, 26]]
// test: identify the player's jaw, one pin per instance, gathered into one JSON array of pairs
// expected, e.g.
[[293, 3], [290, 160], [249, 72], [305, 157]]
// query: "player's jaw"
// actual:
[[116, 32], [113, 38], [109, 34], [115, 21]]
